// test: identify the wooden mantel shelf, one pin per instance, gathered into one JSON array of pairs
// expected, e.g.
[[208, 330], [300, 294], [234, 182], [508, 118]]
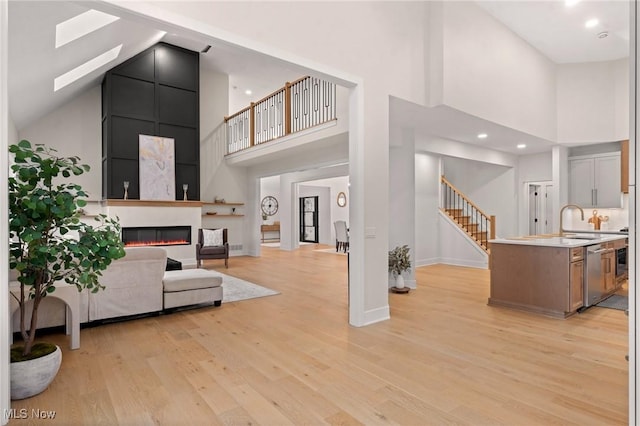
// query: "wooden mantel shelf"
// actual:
[[150, 203]]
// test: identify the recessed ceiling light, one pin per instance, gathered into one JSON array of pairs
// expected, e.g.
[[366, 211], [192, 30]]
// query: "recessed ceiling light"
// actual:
[[84, 69], [571, 3], [591, 23], [521, 146], [248, 92], [603, 34], [482, 135], [81, 25]]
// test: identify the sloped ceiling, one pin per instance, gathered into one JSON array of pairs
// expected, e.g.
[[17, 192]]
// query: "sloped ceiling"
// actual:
[[34, 61]]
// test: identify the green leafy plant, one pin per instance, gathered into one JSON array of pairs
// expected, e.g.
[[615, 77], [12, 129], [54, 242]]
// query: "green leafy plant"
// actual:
[[399, 260], [48, 242]]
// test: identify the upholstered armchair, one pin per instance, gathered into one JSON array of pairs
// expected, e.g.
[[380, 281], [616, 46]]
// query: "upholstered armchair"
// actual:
[[342, 235], [212, 244]]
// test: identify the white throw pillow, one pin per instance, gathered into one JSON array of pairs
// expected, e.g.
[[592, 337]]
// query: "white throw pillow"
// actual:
[[212, 237]]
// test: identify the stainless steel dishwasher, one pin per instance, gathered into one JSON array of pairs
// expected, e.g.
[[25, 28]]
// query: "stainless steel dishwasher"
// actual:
[[594, 288]]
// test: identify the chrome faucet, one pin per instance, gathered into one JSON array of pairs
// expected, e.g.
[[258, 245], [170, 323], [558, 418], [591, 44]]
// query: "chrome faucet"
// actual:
[[562, 211]]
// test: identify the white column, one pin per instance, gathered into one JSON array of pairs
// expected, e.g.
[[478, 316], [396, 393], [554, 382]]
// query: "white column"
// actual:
[[402, 198], [634, 219], [369, 211], [5, 402]]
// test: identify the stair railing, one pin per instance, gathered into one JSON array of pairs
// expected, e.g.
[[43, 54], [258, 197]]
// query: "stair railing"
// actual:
[[480, 226], [297, 106]]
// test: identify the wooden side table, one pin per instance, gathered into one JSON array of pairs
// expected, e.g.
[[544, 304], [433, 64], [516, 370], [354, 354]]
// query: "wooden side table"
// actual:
[[270, 228]]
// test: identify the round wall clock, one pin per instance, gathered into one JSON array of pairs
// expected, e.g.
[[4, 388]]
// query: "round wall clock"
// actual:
[[269, 205]]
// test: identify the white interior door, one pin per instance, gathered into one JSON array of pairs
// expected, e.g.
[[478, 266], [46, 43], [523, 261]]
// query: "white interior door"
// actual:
[[539, 207]]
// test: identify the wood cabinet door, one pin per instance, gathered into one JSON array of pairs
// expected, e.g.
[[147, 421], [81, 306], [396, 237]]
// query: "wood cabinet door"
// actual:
[[576, 288], [609, 271], [624, 166]]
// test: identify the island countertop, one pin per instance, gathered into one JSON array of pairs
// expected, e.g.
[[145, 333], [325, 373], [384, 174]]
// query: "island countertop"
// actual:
[[569, 240]]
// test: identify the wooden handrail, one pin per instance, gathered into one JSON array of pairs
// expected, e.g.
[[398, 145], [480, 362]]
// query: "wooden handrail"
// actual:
[[269, 95], [300, 79], [229, 117], [464, 197]]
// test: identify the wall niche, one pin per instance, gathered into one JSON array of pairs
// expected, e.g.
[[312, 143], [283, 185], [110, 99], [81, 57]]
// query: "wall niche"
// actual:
[[154, 93]]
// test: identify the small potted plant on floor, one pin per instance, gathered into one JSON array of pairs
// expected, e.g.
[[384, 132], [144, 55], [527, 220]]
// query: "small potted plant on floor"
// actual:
[[48, 245], [399, 262]]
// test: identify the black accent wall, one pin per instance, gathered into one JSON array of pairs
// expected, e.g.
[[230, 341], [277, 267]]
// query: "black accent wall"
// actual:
[[154, 93]]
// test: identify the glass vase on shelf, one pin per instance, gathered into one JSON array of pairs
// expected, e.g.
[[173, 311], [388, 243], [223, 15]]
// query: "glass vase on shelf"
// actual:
[[185, 187], [126, 188]]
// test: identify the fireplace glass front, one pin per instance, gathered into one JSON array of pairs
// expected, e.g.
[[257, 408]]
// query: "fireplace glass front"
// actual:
[[156, 236]]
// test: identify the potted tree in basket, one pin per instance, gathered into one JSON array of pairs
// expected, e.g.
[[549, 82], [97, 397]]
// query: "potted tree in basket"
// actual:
[[49, 244], [399, 262]]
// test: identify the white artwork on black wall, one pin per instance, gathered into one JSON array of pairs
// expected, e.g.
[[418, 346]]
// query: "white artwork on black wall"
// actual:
[[157, 168]]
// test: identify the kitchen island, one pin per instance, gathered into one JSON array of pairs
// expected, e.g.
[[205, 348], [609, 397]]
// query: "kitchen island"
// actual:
[[547, 274]]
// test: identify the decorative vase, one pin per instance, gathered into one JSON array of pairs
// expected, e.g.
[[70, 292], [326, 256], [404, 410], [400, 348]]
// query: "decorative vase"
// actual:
[[399, 281], [29, 378]]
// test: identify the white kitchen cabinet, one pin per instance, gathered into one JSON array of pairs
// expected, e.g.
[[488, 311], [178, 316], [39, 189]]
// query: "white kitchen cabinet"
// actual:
[[594, 181]]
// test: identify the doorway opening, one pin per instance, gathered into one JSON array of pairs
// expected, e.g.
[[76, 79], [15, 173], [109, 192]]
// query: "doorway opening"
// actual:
[[309, 219], [539, 211]]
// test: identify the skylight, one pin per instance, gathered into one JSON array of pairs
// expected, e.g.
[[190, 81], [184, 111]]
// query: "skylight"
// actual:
[[84, 69], [81, 25]]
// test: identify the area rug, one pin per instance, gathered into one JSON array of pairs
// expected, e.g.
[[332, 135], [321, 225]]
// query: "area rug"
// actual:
[[332, 251], [234, 289], [615, 301]]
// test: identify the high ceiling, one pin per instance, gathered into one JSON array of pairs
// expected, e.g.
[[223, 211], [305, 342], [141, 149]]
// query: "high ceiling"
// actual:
[[558, 30], [34, 61]]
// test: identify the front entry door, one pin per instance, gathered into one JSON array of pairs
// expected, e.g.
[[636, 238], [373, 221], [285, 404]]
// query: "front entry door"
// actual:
[[309, 219]]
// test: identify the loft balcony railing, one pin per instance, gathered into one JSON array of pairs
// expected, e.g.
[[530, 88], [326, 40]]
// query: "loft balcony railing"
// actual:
[[297, 106]]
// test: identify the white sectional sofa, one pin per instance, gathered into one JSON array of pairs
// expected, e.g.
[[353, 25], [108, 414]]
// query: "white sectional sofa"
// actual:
[[134, 285]]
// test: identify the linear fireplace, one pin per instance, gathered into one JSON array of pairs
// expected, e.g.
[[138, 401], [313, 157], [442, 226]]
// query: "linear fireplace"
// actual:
[[156, 236]]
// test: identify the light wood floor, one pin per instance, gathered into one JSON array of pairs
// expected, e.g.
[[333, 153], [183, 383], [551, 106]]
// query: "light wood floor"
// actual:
[[445, 357]]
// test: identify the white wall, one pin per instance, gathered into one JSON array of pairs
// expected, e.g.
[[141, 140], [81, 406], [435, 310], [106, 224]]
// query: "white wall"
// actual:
[[270, 186], [535, 167], [482, 58], [593, 102], [13, 132], [7, 134], [214, 94], [75, 129], [456, 248], [427, 236], [402, 199]]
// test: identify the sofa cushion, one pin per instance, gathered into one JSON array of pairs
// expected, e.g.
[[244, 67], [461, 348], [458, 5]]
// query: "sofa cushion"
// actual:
[[190, 279], [213, 250], [212, 237]]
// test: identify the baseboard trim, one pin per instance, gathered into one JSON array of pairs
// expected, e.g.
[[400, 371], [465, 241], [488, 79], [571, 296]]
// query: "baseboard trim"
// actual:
[[374, 315], [463, 262]]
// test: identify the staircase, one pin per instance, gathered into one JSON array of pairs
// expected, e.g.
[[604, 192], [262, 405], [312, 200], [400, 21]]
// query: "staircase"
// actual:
[[479, 226]]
